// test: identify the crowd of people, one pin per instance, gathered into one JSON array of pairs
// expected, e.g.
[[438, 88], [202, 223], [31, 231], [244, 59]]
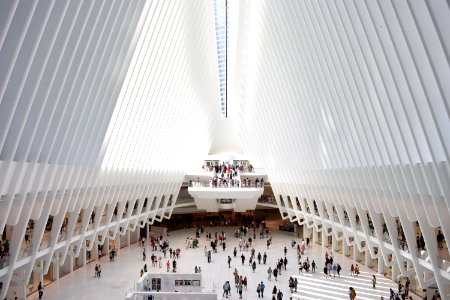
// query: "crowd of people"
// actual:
[[243, 251]]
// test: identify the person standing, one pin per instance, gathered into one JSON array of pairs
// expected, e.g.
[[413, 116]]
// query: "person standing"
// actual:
[[243, 258], [264, 258], [259, 258], [99, 271], [229, 261], [313, 266], [352, 293], [254, 266], [295, 284], [41, 290], [269, 273], [338, 269]]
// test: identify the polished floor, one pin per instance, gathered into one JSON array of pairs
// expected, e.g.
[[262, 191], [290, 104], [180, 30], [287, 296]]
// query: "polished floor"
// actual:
[[119, 276]]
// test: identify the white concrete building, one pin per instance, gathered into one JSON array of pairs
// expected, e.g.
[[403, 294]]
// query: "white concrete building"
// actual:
[[105, 106]]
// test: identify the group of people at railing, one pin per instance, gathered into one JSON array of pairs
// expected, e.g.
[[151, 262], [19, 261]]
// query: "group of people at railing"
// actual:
[[225, 167], [224, 182]]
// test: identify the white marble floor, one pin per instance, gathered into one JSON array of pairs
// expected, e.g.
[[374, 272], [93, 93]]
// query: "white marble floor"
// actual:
[[119, 276]]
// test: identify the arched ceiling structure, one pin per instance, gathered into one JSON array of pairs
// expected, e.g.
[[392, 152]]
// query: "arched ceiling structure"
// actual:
[[104, 105]]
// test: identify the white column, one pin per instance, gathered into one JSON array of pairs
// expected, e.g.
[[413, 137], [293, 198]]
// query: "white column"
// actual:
[[324, 238], [55, 268], [367, 259], [70, 263], [345, 247], [395, 271], [355, 252], [333, 242], [380, 265], [82, 257]]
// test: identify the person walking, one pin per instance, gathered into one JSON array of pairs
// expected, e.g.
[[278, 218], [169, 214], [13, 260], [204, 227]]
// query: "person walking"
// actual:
[[229, 261], [279, 295], [239, 289], [40, 289], [269, 273], [168, 265], [258, 290], [264, 258], [275, 273], [352, 293], [262, 289], [259, 258], [295, 284], [338, 269], [374, 281], [274, 291], [313, 266], [225, 290], [254, 266]]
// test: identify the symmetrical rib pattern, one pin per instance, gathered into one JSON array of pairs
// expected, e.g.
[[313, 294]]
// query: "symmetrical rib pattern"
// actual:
[[97, 100], [351, 104]]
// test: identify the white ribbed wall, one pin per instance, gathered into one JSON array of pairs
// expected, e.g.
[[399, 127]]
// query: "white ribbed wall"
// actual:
[[350, 100], [97, 99]]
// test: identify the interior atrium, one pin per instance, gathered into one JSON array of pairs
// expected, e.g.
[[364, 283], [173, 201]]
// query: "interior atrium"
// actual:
[[319, 121]]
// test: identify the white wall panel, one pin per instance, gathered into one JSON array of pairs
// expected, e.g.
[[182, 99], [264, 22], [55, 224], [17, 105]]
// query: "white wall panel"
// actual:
[[97, 99], [350, 100]]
